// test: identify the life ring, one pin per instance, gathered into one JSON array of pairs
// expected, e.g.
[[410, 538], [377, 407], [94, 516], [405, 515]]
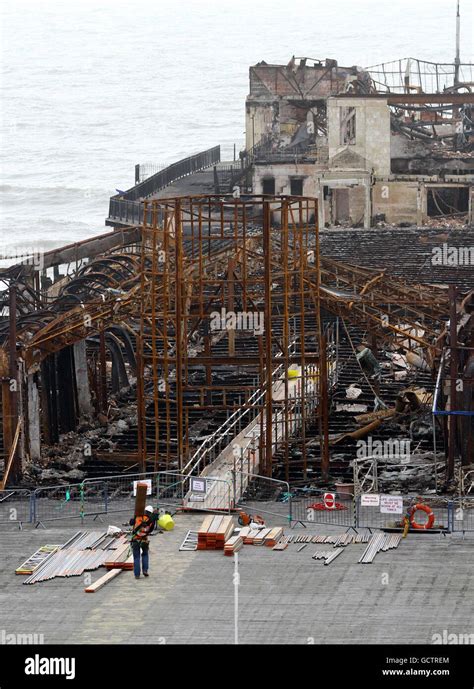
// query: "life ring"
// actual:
[[424, 508]]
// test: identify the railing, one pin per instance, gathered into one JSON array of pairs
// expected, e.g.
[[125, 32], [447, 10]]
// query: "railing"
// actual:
[[313, 507], [261, 494], [211, 447], [16, 506], [127, 208], [463, 514], [144, 171], [371, 516], [239, 489]]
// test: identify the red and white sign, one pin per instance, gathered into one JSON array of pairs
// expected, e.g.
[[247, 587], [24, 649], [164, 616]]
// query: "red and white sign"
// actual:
[[329, 500]]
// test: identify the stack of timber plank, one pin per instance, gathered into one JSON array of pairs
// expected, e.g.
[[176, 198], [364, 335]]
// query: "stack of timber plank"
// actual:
[[233, 545], [259, 539], [273, 536], [120, 558], [250, 536], [214, 532], [268, 537]]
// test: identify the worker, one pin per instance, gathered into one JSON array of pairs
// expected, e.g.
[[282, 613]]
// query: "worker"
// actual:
[[142, 528]]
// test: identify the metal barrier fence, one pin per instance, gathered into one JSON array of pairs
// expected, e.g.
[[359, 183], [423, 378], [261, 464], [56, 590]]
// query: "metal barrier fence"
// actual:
[[53, 503], [463, 514], [91, 498], [128, 207], [16, 505], [177, 490], [115, 493], [324, 507], [261, 494], [216, 498], [371, 516], [239, 489]]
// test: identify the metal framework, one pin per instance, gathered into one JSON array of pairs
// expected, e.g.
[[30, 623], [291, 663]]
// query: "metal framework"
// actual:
[[211, 302], [230, 301]]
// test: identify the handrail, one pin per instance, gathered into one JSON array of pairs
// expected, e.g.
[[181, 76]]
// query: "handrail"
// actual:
[[223, 430], [128, 206]]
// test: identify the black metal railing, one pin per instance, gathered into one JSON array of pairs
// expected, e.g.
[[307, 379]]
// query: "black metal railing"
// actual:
[[127, 208]]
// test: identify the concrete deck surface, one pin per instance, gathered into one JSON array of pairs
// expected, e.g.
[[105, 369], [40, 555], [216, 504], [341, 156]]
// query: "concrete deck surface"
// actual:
[[407, 595]]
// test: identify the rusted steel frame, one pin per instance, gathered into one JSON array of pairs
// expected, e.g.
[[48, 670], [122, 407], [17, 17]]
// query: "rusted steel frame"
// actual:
[[141, 420], [154, 271], [10, 386], [453, 374], [267, 253], [11, 455], [192, 220], [141, 406], [170, 254], [243, 253], [324, 404], [231, 303], [7, 425], [103, 371], [386, 330], [286, 332], [97, 311], [180, 329], [200, 263], [300, 260]]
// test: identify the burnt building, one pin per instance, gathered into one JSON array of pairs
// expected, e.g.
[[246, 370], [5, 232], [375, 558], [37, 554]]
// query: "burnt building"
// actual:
[[391, 143]]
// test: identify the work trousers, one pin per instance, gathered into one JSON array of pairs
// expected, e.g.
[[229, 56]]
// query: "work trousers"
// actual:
[[138, 546]]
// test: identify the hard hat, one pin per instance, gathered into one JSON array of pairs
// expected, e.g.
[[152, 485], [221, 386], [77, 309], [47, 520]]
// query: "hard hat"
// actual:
[[149, 508]]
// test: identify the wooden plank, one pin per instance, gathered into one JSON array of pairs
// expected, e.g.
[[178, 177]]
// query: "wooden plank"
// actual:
[[224, 525], [206, 524], [118, 556], [280, 546], [140, 499], [215, 524], [111, 574]]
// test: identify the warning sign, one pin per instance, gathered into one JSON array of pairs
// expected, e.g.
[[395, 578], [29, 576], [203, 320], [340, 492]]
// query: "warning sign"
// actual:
[[198, 485], [370, 499], [391, 504], [329, 500]]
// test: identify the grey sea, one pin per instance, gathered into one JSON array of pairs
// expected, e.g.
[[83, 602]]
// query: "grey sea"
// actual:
[[90, 88]]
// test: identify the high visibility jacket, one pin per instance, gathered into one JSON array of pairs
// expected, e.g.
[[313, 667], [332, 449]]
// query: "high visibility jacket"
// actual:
[[142, 527]]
